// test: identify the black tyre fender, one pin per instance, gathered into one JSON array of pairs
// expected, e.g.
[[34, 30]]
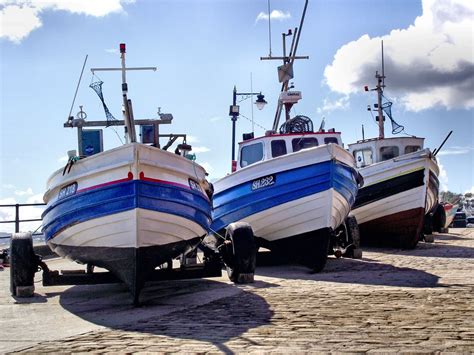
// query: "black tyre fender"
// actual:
[[439, 218], [23, 265], [316, 254], [240, 252], [353, 234], [428, 224]]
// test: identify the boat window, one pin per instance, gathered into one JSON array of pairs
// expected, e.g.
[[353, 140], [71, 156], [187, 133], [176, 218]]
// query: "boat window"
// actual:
[[363, 157], [278, 148], [328, 140], [251, 154], [303, 143], [412, 148], [389, 152]]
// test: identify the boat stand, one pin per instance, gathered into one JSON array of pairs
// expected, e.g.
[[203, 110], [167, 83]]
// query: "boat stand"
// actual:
[[82, 277]]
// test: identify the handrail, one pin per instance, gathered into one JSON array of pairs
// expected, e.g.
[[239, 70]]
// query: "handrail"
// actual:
[[17, 219]]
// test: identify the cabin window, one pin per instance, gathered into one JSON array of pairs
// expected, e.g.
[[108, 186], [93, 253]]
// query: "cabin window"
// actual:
[[363, 157], [303, 143], [251, 154], [389, 152], [412, 148], [278, 148], [328, 140]]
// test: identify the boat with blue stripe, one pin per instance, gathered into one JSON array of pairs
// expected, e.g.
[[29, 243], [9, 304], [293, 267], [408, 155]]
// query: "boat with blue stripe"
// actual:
[[129, 209], [294, 189], [294, 186]]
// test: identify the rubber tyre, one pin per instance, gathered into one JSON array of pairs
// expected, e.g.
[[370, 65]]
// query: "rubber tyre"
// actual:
[[352, 229], [439, 218], [241, 252], [316, 254], [428, 224], [429, 238], [22, 265]]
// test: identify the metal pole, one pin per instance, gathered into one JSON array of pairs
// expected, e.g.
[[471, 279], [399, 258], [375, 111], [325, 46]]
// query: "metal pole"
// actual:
[[269, 29], [379, 103], [17, 218], [436, 151], [234, 118], [77, 87], [251, 102], [128, 121]]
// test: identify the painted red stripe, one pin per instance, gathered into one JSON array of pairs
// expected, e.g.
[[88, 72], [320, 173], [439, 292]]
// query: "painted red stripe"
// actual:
[[130, 177], [144, 178]]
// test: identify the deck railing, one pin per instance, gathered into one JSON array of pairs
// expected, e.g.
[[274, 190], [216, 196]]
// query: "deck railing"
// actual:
[[17, 219]]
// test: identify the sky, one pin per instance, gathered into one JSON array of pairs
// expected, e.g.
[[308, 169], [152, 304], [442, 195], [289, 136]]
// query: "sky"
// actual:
[[203, 48]]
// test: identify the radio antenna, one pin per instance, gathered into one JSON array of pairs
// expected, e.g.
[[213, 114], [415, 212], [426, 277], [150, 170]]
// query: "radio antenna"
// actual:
[[269, 29], [383, 68], [77, 87]]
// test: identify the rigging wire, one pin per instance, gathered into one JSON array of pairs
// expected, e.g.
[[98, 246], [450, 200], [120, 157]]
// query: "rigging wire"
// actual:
[[255, 123]]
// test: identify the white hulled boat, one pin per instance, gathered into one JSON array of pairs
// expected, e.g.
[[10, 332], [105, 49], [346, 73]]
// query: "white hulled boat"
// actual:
[[294, 190], [294, 186], [400, 184], [128, 209]]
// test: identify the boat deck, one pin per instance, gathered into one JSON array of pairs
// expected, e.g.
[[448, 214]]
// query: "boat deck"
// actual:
[[391, 300]]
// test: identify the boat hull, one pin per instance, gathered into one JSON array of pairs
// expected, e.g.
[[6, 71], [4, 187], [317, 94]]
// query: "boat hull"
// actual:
[[310, 193], [130, 225], [397, 194], [450, 211]]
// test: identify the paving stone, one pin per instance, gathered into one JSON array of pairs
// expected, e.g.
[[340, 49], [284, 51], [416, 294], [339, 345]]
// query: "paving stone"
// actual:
[[392, 300]]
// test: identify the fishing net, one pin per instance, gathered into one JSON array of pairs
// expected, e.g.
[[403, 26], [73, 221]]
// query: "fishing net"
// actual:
[[97, 87], [387, 108], [297, 124]]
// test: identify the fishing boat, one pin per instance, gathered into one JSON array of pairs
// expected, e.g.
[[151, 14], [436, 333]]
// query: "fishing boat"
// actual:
[[294, 186], [129, 209], [450, 211], [400, 192]]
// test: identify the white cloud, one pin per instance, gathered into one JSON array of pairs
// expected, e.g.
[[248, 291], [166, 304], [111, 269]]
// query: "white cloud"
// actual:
[[274, 15], [200, 149], [63, 159], [112, 50], [471, 190], [38, 198], [17, 22], [443, 177], [18, 18], [26, 192], [428, 64], [338, 104], [455, 151], [192, 139], [206, 166], [216, 118], [27, 212], [8, 186]]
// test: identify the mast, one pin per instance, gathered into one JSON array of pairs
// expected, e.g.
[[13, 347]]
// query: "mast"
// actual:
[[380, 87], [285, 72], [129, 121]]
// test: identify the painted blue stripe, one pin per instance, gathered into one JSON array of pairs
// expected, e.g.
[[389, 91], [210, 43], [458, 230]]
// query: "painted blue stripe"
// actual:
[[126, 196], [240, 201]]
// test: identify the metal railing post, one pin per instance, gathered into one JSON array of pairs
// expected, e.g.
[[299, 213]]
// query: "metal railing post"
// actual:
[[17, 218]]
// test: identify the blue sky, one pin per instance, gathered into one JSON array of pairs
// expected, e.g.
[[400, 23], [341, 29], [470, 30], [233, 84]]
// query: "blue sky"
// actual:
[[203, 48]]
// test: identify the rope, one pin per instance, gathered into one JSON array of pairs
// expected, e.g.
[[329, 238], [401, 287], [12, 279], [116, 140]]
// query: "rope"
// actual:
[[216, 233], [255, 123]]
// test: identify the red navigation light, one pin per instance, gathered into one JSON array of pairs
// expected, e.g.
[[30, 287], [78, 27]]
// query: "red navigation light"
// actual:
[[234, 165], [122, 47], [366, 88]]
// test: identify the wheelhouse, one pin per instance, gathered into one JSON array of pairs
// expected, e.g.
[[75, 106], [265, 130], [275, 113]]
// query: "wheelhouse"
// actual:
[[370, 151], [272, 146]]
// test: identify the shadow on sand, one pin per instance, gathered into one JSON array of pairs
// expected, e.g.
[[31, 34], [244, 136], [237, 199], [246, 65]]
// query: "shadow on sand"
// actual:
[[441, 248], [351, 271], [203, 310]]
